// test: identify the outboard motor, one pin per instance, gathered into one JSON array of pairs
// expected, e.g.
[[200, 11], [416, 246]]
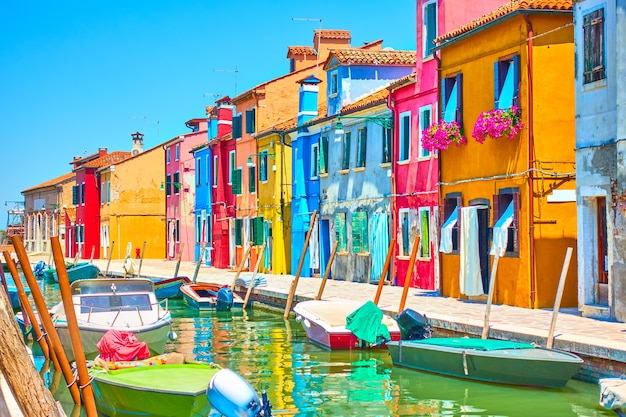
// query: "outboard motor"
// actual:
[[224, 299], [413, 325], [39, 267], [232, 396]]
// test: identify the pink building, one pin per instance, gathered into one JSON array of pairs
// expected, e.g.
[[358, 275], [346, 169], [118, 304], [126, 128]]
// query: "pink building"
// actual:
[[179, 188]]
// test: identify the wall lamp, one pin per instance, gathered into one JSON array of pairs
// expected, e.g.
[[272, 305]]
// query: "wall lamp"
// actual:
[[251, 164], [385, 122]]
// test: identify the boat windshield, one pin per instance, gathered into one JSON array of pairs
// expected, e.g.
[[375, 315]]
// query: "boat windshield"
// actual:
[[94, 286], [115, 302]]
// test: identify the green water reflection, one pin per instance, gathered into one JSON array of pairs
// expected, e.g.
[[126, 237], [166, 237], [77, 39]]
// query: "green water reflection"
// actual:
[[302, 379]]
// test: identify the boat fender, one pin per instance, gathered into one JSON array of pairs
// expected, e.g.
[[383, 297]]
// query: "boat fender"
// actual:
[[224, 299], [172, 335], [231, 395]]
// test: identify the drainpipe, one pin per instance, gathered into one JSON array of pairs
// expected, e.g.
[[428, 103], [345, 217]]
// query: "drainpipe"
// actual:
[[531, 163], [439, 196], [394, 231]]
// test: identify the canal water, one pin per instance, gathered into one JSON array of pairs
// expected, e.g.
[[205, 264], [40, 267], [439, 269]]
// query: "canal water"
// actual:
[[302, 379]]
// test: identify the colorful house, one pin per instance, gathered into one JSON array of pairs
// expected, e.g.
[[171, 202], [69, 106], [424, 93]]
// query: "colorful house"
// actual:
[[600, 171], [180, 183], [222, 148], [415, 169], [82, 220], [132, 204], [509, 191]]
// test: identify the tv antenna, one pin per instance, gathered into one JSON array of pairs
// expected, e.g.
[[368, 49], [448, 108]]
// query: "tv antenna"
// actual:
[[236, 71]]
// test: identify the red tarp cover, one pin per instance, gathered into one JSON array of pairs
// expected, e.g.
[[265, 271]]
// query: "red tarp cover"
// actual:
[[122, 346]]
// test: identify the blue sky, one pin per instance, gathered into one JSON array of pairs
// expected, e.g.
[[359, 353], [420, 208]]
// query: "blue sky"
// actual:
[[81, 75]]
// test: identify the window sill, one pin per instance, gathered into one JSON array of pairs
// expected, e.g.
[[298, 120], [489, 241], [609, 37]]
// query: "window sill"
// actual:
[[344, 253], [403, 257], [324, 175], [427, 157], [344, 171], [385, 165], [594, 85], [428, 58], [405, 162], [363, 254], [358, 169]]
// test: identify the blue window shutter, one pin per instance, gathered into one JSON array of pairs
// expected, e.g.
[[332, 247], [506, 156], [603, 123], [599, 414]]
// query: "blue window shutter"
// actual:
[[516, 80], [75, 194], [250, 121], [459, 100], [496, 84], [431, 27], [444, 96]]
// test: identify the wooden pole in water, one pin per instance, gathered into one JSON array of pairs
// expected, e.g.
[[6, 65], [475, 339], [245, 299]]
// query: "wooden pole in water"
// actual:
[[383, 275], [294, 285], [143, 251], [93, 251], [256, 268], [492, 284], [180, 257], [106, 271], [27, 308], [241, 264], [559, 295], [75, 259], [17, 368], [409, 273], [198, 263], [72, 325], [46, 320], [327, 272]]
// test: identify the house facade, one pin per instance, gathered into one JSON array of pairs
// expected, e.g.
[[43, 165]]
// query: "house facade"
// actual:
[[510, 191], [600, 171]]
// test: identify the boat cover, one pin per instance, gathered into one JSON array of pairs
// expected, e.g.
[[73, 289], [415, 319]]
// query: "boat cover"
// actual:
[[613, 394], [473, 343], [366, 323], [122, 346]]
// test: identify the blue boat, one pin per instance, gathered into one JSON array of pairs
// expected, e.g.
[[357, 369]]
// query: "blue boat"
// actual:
[[15, 300], [82, 270], [169, 287]]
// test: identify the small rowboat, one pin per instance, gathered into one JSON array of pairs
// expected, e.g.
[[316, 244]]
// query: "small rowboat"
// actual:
[[207, 296], [169, 287]]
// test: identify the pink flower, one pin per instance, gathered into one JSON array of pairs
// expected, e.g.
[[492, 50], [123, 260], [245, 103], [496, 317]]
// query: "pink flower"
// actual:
[[442, 134], [498, 123]]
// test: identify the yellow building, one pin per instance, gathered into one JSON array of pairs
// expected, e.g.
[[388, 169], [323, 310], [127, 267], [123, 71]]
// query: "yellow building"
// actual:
[[132, 206], [517, 193]]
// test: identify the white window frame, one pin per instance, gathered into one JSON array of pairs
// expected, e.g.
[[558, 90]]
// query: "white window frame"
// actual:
[[426, 55], [315, 161], [401, 213], [334, 83], [232, 162], [401, 137], [215, 171], [177, 154], [423, 153]]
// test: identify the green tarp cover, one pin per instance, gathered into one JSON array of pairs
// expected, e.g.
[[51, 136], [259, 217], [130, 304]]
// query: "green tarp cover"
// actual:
[[477, 344], [366, 324]]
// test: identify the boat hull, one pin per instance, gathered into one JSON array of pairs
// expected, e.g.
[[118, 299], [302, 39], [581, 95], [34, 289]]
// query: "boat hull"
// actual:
[[84, 270], [198, 296], [160, 390], [513, 366], [325, 324], [169, 287]]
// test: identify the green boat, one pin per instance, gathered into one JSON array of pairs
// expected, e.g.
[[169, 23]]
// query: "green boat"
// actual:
[[157, 390], [488, 360], [82, 270]]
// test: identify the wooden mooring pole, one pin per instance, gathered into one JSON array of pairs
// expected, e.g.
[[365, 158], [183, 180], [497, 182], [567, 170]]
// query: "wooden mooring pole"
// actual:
[[241, 265], [559, 295], [383, 275], [327, 272], [409, 273], [256, 269], [492, 284], [180, 257]]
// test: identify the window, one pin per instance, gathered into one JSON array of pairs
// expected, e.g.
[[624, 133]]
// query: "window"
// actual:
[[334, 83], [506, 216], [506, 83], [198, 171], [594, 46], [405, 137], [108, 191], [340, 232], [177, 231], [250, 122], [237, 126], [82, 193], [75, 194], [387, 138], [345, 150], [361, 144], [450, 231], [207, 169], [252, 179], [263, 166], [236, 184], [452, 99], [176, 182], [167, 155], [315, 160], [198, 228], [177, 151], [404, 230], [215, 170], [103, 190], [232, 163], [429, 27], [425, 122], [238, 228], [424, 219], [324, 155], [360, 236]]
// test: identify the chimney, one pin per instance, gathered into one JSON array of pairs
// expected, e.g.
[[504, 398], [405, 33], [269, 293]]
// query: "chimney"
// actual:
[[224, 116], [102, 152], [307, 104], [137, 143]]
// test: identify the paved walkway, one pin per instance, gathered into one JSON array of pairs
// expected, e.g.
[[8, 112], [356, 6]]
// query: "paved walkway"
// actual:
[[600, 342]]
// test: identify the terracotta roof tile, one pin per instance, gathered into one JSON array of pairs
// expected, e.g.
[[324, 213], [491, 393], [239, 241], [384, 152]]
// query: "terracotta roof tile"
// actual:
[[377, 97], [505, 9], [109, 159], [301, 50], [407, 79], [333, 33], [364, 56], [52, 182]]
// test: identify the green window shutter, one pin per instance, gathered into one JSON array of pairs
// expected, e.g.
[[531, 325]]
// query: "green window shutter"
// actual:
[[362, 145], [176, 183], [238, 227], [252, 179], [75, 194], [387, 138], [250, 122], [357, 232], [259, 237], [168, 184], [340, 231], [236, 181], [365, 246], [406, 138], [424, 234], [237, 127], [345, 161]]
